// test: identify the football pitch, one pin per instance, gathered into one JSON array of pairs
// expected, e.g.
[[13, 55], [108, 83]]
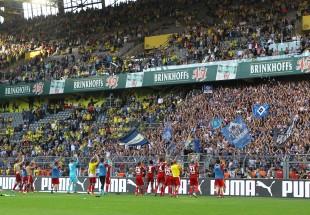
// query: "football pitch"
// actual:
[[113, 204]]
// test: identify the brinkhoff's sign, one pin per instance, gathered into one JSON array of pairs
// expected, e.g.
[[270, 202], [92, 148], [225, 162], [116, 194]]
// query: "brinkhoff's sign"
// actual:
[[160, 76], [272, 67], [234, 187]]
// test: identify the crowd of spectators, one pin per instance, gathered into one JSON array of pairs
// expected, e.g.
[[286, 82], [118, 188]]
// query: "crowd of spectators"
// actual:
[[226, 30], [189, 114]]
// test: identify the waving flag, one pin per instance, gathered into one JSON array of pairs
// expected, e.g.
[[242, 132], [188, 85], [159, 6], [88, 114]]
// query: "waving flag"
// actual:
[[261, 111], [237, 133], [133, 138], [284, 136], [167, 134], [216, 123], [207, 89]]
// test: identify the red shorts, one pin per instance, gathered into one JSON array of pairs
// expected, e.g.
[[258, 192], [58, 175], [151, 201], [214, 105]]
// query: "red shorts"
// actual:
[[18, 177], [160, 179], [176, 181], [55, 180], [108, 180], [139, 182], [219, 182], [193, 182], [30, 179], [92, 180], [150, 179], [25, 179], [168, 181]]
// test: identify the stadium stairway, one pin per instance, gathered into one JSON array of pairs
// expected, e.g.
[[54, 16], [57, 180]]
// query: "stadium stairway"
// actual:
[[62, 115], [17, 118]]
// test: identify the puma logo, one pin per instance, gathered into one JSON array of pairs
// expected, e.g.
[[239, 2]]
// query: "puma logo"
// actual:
[[268, 188], [81, 184], [129, 181]]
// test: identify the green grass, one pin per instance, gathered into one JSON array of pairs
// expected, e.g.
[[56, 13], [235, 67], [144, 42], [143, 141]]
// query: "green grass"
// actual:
[[112, 204]]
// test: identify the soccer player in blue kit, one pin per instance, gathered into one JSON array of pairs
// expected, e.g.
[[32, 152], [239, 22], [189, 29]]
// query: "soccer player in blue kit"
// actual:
[[72, 174]]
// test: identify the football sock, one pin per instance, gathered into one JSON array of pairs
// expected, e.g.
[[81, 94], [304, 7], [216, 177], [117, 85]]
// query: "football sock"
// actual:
[[69, 188], [196, 189], [74, 187]]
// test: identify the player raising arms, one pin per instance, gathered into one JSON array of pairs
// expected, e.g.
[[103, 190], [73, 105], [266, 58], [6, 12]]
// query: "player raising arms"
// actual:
[[94, 161], [18, 178], [139, 178], [72, 173], [219, 179], [176, 172], [193, 179], [55, 176], [29, 168], [102, 175], [160, 168], [150, 169], [168, 179], [108, 177]]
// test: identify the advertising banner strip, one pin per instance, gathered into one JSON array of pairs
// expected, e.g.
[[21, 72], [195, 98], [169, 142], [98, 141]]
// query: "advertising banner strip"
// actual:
[[159, 76], [271, 188]]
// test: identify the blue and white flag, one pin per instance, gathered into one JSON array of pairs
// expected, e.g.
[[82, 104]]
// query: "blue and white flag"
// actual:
[[216, 123], [133, 138], [237, 133], [207, 89], [261, 111], [167, 134]]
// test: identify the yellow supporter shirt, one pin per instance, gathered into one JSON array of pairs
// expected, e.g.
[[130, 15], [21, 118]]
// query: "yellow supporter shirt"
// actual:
[[92, 168], [176, 170]]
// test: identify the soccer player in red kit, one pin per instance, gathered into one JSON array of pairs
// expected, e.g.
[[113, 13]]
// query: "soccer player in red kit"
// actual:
[[139, 178], [168, 179], [160, 168], [18, 178], [30, 166], [108, 176], [150, 171], [193, 179]]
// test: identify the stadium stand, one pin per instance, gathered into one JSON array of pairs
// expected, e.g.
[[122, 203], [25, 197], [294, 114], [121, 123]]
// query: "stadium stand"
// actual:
[[83, 45], [79, 48]]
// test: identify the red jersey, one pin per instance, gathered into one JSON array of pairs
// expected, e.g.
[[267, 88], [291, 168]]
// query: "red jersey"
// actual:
[[108, 167], [279, 173], [168, 171], [161, 168], [193, 171], [139, 171], [150, 170], [308, 175]]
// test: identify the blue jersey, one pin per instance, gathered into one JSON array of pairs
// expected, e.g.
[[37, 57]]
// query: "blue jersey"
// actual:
[[218, 172], [102, 169], [72, 168], [24, 174], [55, 172]]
